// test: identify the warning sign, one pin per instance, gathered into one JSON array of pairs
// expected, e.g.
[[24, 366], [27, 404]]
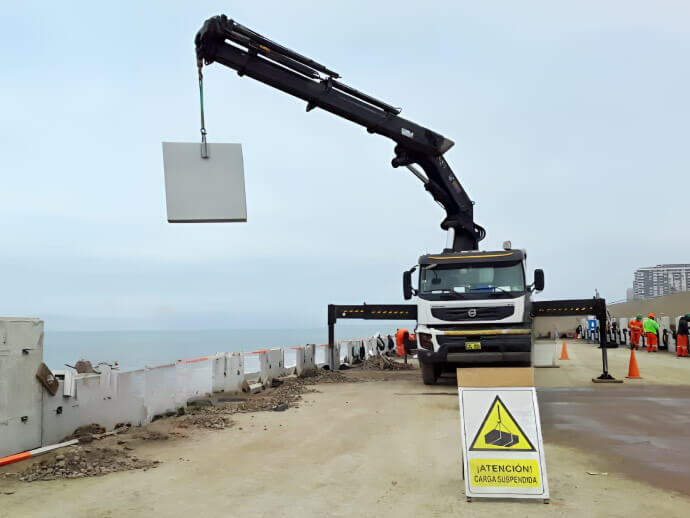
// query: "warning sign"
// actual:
[[502, 444], [500, 431], [504, 473]]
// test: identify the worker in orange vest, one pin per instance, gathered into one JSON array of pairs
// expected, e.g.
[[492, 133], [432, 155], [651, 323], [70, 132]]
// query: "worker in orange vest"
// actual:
[[400, 336], [682, 336], [635, 327], [651, 330]]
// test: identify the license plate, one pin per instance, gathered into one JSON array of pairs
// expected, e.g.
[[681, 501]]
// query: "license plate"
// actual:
[[473, 346]]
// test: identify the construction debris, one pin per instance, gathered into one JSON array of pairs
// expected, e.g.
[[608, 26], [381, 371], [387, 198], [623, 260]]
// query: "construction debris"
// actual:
[[79, 462], [251, 388], [384, 363], [86, 433]]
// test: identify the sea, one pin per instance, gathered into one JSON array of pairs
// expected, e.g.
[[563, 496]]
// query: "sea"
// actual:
[[138, 349]]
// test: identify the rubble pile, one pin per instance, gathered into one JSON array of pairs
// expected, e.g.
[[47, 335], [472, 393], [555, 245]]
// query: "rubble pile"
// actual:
[[383, 363], [324, 376], [86, 433], [213, 418], [81, 462]]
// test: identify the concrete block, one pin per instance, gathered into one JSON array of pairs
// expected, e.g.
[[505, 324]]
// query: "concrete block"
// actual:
[[252, 365], [24, 332], [290, 361], [195, 379], [21, 394], [95, 403], [234, 372], [370, 347], [161, 384], [271, 364], [320, 355], [218, 369], [305, 359]]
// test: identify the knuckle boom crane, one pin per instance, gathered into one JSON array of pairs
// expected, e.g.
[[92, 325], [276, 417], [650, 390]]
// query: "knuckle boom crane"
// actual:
[[474, 307], [225, 41]]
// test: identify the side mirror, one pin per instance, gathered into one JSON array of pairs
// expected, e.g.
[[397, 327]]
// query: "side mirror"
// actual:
[[407, 285], [539, 279]]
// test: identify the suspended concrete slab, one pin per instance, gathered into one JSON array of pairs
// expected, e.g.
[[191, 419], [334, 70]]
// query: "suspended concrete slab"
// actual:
[[204, 190]]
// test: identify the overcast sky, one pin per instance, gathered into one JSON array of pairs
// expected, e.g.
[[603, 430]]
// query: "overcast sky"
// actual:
[[570, 122]]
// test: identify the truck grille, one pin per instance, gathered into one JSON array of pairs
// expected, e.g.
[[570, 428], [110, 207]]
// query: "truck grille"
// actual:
[[462, 314]]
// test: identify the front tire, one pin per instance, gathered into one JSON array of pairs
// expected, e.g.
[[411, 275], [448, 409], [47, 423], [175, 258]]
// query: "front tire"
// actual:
[[429, 373]]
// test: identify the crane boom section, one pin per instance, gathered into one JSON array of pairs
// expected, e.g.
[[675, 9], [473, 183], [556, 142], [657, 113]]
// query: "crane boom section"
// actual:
[[224, 41]]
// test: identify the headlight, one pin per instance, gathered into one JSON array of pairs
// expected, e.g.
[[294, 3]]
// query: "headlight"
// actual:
[[424, 341]]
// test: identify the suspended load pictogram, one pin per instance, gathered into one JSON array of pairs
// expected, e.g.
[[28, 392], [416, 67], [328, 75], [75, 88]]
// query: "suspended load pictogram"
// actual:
[[500, 431]]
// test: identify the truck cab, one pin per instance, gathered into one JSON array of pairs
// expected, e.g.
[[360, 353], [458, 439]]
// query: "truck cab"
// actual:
[[473, 309]]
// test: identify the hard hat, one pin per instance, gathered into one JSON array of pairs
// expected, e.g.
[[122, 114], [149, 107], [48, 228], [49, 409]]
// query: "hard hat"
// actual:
[[651, 315], [639, 316]]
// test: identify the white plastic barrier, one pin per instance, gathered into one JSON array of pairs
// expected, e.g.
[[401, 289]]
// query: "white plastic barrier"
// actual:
[[672, 347], [623, 325], [351, 351], [544, 353], [371, 348], [665, 325]]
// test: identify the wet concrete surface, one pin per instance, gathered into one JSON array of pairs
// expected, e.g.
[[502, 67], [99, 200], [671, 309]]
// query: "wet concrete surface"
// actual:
[[642, 432]]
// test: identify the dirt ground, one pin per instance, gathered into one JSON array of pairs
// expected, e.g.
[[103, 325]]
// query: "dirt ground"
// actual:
[[389, 447]]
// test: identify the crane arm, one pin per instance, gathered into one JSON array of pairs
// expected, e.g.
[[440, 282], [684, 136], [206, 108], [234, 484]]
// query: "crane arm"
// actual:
[[225, 41]]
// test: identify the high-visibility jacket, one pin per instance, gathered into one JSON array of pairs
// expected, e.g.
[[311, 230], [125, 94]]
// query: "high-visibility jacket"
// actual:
[[635, 326], [651, 326]]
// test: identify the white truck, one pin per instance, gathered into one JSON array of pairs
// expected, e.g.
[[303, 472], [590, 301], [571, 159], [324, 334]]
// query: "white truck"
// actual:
[[473, 308]]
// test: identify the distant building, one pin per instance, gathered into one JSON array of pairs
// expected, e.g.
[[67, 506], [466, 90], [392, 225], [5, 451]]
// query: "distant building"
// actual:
[[629, 295], [663, 279]]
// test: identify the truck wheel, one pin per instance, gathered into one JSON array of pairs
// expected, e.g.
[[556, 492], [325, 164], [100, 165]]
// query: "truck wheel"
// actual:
[[429, 373]]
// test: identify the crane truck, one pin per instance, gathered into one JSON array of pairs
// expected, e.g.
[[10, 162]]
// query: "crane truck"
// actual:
[[473, 307]]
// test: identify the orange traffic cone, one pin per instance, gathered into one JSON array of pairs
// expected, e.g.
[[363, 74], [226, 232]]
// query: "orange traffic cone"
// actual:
[[564, 352], [633, 370]]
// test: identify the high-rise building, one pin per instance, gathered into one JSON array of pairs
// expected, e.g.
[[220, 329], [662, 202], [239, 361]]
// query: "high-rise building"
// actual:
[[663, 279]]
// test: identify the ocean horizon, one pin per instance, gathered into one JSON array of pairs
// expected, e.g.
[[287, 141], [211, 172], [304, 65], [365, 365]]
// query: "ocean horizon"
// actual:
[[137, 349]]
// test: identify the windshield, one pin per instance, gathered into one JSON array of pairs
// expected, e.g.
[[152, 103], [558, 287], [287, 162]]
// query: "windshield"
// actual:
[[472, 279]]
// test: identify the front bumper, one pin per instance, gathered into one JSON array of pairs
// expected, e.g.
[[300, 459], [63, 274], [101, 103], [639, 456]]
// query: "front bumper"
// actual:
[[497, 349]]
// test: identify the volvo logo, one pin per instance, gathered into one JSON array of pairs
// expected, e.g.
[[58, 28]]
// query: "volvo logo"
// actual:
[[472, 313]]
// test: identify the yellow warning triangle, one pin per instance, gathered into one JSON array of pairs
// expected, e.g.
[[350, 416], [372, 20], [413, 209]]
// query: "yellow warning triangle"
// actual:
[[500, 431]]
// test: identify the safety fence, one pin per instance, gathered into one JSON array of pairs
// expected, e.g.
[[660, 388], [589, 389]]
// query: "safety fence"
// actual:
[[113, 397]]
